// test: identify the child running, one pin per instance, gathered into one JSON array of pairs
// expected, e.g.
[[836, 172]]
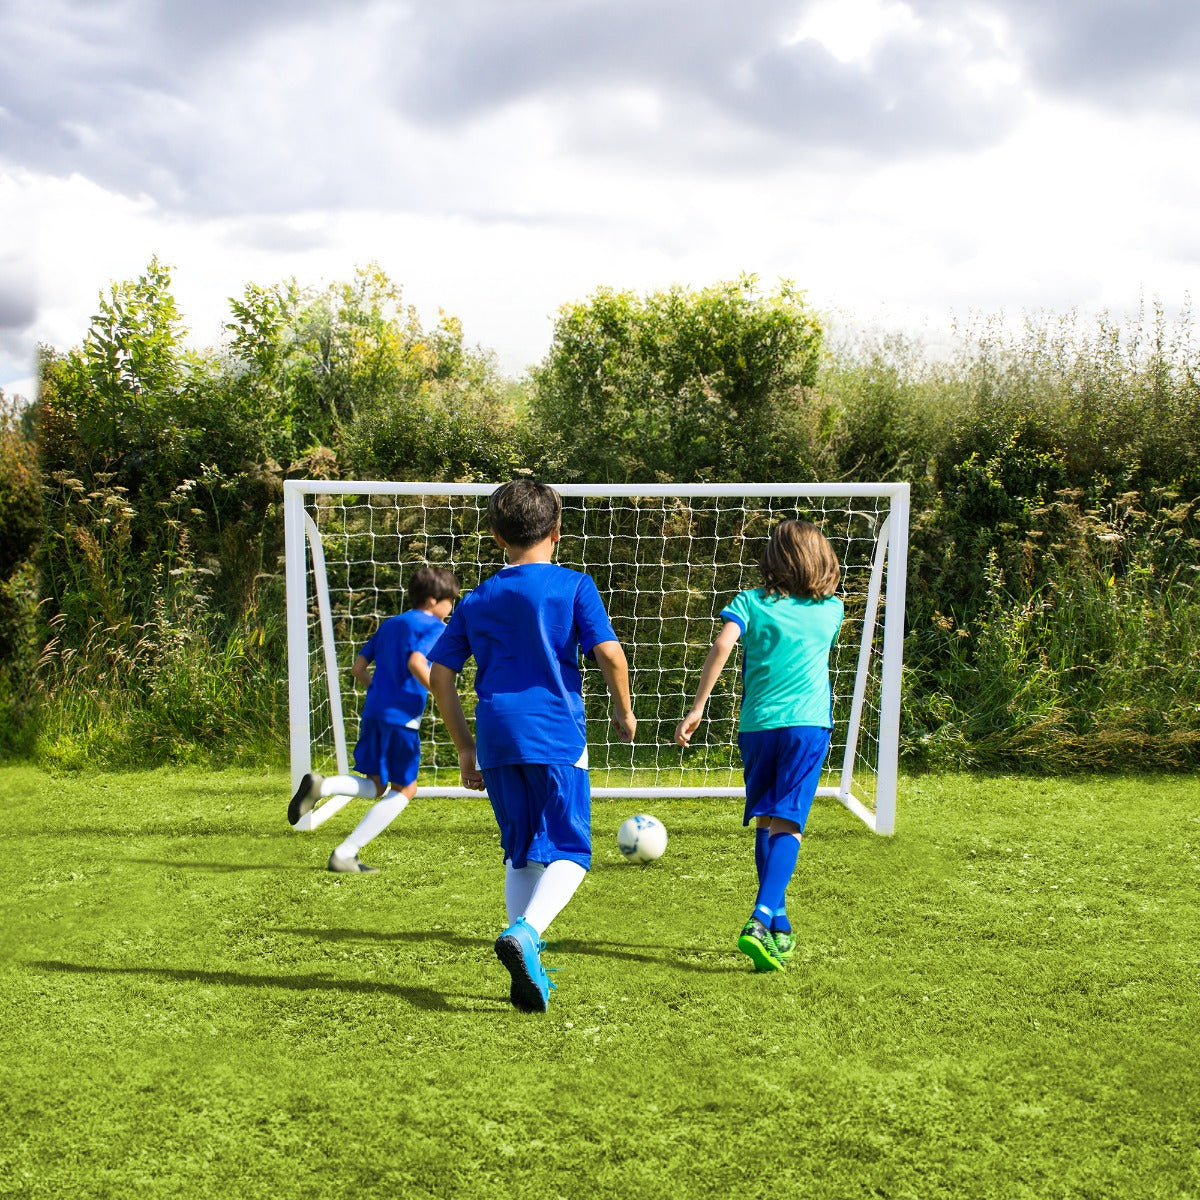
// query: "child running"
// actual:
[[525, 627], [389, 739], [788, 627]]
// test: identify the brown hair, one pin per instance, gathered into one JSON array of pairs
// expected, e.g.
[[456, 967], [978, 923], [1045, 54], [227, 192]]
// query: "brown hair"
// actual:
[[799, 561], [524, 512], [432, 583]]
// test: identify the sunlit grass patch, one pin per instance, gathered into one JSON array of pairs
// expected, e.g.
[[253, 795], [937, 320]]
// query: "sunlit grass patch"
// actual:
[[998, 1001]]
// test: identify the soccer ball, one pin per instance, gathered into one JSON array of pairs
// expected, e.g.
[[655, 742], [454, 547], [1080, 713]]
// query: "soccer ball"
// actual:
[[642, 839]]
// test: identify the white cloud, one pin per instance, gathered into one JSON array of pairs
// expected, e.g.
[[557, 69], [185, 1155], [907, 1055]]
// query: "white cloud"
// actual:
[[892, 156]]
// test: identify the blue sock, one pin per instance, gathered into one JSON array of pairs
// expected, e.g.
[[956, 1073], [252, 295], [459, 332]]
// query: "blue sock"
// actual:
[[781, 863], [780, 922], [761, 835]]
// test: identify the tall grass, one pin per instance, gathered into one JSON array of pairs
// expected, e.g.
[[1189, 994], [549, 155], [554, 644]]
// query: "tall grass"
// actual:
[[1087, 658], [181, 684]]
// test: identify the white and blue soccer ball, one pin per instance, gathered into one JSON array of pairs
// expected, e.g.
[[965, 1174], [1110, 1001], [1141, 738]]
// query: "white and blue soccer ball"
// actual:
[[642, 838]]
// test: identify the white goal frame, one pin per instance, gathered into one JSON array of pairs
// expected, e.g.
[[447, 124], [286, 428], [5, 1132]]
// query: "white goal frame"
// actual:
[[879, 654]]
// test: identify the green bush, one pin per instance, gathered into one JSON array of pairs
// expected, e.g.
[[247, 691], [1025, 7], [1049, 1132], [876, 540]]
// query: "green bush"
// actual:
[[1055, 473], [681, 385]]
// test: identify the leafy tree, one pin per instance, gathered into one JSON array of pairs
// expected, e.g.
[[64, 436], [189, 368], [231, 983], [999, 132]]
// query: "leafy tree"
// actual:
[[311, 361], [681, 385], [20, 490]]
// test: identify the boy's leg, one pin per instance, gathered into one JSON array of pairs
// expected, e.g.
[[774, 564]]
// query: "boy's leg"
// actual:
[[762, 841], [518, 947], [762, 833], [519, 883], [758, 940], [314, 787], [783, 850], [782, 854], [378, 817], [759, 752], [544, 813], [400, 751], [562, 839], [365, 787], [559, 882]]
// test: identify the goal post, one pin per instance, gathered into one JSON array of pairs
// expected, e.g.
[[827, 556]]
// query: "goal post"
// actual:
[[666, 559]]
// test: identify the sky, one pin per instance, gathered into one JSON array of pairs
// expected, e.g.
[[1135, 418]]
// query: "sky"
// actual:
[[907, 163]]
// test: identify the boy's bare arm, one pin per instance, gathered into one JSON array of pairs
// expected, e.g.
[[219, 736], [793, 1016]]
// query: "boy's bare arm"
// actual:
[[361, 671], [610, 658], [418, 667], [718, 655], [445, 694]]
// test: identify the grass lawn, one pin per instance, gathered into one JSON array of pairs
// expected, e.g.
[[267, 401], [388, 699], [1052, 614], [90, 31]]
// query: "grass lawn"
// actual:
[[999, 1001]]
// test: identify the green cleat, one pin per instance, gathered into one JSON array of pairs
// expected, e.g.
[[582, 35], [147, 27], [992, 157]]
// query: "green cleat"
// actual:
[[759, 946], [784, 943]]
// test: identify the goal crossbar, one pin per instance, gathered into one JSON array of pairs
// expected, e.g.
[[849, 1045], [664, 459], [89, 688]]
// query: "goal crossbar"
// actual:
[[350, 545]]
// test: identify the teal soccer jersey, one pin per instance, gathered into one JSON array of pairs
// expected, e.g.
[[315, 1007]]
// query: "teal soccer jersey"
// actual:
[[785, 658]]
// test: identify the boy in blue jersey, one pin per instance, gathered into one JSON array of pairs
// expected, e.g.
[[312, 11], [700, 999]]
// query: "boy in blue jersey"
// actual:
[[389, 740], [525, 627], [788, 627]]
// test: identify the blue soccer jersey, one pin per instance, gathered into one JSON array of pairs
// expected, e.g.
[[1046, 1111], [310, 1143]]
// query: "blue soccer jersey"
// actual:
[[525, 627], [395, 694]]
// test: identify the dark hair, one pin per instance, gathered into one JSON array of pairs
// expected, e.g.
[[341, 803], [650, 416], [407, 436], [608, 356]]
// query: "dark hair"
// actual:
[[799, 561], [432, 583], [523, 513]]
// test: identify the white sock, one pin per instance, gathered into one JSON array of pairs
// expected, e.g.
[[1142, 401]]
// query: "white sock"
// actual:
[[348, 785], [519, 883], [379, 816], [556, 886]]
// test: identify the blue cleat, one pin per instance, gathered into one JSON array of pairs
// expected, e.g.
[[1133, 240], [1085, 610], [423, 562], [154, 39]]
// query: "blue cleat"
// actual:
[[519, 949]]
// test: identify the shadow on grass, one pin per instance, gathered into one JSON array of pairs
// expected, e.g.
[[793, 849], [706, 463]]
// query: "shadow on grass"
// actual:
[[224, 867], [425, 998], [658, 955]]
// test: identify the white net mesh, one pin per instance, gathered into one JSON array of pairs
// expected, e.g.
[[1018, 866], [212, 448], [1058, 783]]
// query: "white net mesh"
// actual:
[[665, 567]]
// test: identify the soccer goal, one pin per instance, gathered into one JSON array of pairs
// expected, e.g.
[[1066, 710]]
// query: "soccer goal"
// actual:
[[666, 559]]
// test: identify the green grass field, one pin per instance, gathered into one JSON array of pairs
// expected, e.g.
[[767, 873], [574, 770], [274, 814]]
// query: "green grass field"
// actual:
[[1000, 1001]]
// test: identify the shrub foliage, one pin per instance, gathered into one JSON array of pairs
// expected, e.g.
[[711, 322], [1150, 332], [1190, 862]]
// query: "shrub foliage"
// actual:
[[1053, 617]]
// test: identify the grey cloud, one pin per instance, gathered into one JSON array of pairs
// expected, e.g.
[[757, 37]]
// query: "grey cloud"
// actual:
[[18, 302], [1131, 54], [278, 235], [143, 95], [114, 90], [703, 61], [912, 98]]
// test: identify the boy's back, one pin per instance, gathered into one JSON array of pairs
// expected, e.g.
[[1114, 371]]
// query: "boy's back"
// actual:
[[525, 626], [395, 695]]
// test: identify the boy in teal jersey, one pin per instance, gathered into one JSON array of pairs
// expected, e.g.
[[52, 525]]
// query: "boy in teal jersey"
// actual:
[[393, 667], [788, 627]]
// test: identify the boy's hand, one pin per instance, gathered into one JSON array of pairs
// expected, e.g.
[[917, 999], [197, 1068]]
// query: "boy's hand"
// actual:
[[625, 723], [688, 726], [469, 772]]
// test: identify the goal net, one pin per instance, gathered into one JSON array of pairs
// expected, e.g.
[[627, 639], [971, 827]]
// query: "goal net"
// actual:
[[666, 559]]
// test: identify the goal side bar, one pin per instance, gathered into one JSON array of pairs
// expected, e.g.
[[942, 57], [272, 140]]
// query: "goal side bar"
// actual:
[[891, 555]]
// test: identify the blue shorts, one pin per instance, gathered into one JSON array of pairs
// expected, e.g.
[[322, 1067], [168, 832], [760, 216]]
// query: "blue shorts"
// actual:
[[544, 812], [782, 769], [393, 752]]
